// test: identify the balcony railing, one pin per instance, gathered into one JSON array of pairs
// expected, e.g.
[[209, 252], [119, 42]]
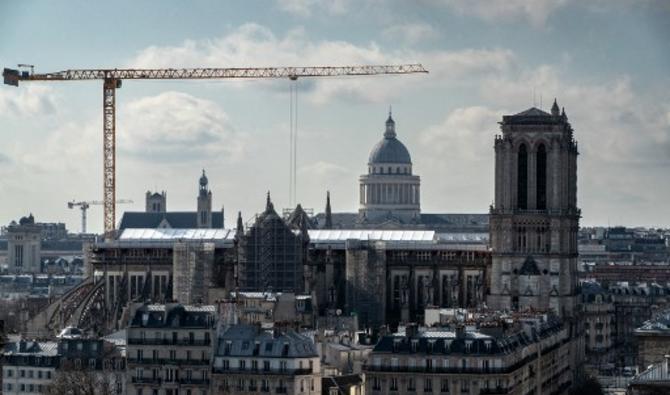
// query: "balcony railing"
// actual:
[[169, 342], [192, 381], [436, 369], [167, 361], [284, 372], [146, 380], [494, 391]]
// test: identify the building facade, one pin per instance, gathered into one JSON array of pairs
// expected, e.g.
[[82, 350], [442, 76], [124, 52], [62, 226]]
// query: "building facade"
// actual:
[[169, 349], [534, 220], [24, 241], [156, 202], [390, 192], [599, 323], [532, 357], [28, 366], [653, 340], [156, 215], [249, 360]]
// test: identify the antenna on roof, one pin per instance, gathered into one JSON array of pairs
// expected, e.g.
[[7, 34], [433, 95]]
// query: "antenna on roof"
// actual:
[[534, 103]]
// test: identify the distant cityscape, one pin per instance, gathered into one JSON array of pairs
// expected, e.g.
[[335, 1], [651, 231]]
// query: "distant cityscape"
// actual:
[[389, 299]]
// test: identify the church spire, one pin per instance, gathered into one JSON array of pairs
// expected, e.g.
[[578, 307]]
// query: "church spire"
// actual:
[[268, 203], [240, 227], [554, 109], [390, 127], [329, 215]]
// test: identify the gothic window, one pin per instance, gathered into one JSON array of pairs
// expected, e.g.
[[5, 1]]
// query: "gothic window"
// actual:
[[541, 175], [522, 178]]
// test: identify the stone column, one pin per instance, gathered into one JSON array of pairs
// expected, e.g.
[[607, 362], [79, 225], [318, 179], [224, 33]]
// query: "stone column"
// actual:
[[532, 179]]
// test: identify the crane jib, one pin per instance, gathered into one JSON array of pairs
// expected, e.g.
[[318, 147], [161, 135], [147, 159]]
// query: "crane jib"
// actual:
[[112, 80], [13, 76]]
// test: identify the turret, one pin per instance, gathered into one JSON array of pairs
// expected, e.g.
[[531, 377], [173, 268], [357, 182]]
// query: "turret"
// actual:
[[329, 214], [554, 109]]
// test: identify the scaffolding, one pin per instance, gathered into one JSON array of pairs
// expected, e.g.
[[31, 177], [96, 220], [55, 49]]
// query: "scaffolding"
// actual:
[[192, 265], [273, 255]]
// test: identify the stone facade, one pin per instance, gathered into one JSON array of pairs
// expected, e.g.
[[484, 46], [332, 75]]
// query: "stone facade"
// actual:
[[24, 246], [156, 202], [462, 360], [204, 203], [169, 349], [599, 323], [653, 340], [249, 360], [535, 219]]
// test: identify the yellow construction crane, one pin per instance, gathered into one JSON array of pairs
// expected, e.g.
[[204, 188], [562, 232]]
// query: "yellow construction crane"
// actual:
[[84, 206], [112, 81]]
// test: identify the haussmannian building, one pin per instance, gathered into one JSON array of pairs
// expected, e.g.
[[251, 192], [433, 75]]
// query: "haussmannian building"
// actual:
[[251, 360], [169, 349], [529, 356]]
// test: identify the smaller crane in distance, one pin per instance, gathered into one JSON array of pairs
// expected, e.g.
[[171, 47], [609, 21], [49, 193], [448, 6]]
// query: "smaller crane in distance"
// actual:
[[84, 206]]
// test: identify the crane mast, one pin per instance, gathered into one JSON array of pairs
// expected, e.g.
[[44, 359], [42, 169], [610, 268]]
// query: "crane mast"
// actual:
[[112, 79]]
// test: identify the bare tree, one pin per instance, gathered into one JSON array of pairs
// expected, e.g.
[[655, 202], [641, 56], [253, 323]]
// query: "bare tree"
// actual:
[[83, 382]]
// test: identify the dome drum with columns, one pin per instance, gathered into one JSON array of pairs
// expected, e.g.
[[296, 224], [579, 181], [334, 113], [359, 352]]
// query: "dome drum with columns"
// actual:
[[390, 192]]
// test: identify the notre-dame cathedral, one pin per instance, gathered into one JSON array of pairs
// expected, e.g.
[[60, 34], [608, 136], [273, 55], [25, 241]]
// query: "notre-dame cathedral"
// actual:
[[535, 219]]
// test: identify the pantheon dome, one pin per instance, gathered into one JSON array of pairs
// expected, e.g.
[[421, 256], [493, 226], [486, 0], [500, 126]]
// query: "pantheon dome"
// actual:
[[389, 192]]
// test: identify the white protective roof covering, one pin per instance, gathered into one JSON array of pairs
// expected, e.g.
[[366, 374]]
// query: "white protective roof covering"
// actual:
[[335, 235], [177, 234], [480, 237]]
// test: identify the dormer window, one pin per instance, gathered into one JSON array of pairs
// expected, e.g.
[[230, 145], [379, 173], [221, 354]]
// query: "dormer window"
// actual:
[[468, 346], [396, 343], [414, 344], [430, 346]]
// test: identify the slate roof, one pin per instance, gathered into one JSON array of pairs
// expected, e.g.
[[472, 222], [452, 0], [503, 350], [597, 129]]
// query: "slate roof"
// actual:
[[249, 340], [439, 222], [47, 349], [174, 316], [533, 116], [660, 323], [176, 219], [533, 112], [445, 341]]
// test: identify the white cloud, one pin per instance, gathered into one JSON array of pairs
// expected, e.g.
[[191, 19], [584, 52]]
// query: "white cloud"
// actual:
[[460, 135], [177, 125], [411, 33], [534, 11], [256, 45], [323, 170], [305, 8], [27, 100]]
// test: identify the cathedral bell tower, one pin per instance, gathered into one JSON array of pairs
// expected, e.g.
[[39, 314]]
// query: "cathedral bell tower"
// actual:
[[535, 219], [204, 203]]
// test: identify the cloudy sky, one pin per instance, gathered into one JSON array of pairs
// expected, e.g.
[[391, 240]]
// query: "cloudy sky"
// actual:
[[606, 61]]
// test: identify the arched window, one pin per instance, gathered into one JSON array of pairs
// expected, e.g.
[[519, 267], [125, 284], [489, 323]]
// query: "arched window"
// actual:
[[541, 174], [522, 178]]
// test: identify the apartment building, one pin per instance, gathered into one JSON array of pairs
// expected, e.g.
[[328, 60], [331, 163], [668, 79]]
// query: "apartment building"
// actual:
[[520, 356], [250, 360], [169, 349]]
